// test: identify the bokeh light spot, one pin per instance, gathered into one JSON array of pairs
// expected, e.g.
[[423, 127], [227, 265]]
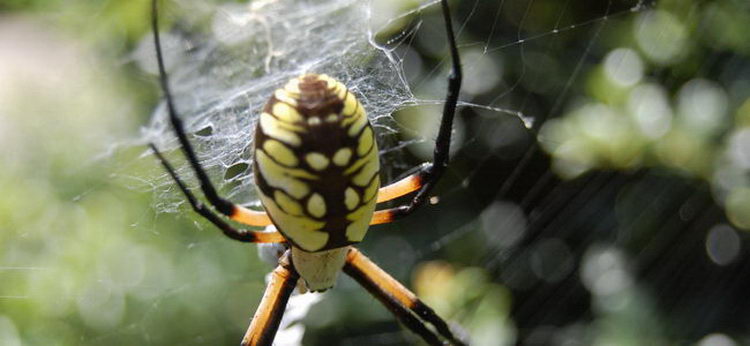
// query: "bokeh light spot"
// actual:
[[661, 36], [716, 339], [702, 106], [422, 123], [738, 207], [503, 224], [604, 272], [722, 244], [624, 67], [649, 106], [739, 148], [551, 260], [482, 72]]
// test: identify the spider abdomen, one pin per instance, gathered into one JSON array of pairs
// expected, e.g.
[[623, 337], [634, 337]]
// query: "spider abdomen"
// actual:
[[316, 163]]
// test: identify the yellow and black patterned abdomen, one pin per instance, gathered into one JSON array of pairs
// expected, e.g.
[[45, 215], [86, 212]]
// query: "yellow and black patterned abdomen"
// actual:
[[316, 163]]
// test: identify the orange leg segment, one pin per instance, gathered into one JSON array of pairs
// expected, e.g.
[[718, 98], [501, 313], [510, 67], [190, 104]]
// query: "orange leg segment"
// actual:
[[402, 187], [267, 237], [384, 216], [249, 217], [262, 329]]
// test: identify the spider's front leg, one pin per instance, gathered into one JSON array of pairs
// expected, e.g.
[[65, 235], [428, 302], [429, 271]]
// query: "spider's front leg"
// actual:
[[430, 173], [268, 316]]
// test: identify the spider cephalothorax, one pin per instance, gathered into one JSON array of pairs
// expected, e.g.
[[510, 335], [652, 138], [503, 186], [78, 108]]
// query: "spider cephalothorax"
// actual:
[[317, 172]]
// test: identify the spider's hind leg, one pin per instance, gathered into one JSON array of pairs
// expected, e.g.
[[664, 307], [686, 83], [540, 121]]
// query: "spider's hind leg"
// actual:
[[398, 299], [231, 232], [267, 318]]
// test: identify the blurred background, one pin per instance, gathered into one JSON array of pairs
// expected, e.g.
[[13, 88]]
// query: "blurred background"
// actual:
[[599, 191]]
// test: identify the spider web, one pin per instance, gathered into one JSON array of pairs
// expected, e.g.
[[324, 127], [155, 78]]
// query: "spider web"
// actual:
[[223, 67]]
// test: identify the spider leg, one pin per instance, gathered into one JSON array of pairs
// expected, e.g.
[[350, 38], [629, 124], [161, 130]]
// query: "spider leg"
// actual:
[[233, 211], [268, 316], [429, 175], [228, 230], [397, 298], [386, 215], [402, 187]]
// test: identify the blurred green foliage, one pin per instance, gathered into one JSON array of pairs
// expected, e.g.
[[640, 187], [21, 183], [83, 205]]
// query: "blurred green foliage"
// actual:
[[692, 121]]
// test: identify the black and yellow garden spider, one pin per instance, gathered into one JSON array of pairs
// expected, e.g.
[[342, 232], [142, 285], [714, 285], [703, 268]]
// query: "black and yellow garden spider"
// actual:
[[317, 172]]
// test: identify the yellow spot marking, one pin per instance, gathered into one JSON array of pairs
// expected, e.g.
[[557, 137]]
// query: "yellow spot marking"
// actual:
[[295, 172], [281, 177], [281, 95], [350, 105], [351, 198], [357, 213], [285, 112], [361, 221], [372, 189], [292, 86], [280, 152], [364, 175], [357, 164], [304, 231], [366, 140], [270, 127], [360, 120], [334, 85], [313, 121], [348, 120], [342, 156], [367, 167], [316, 206], [317, 161], [332, 118], [289, 205], [338, 88], [341, 92], [288, 126]]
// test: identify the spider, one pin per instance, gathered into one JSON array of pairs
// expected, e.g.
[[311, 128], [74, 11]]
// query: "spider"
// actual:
[[317, 174]]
